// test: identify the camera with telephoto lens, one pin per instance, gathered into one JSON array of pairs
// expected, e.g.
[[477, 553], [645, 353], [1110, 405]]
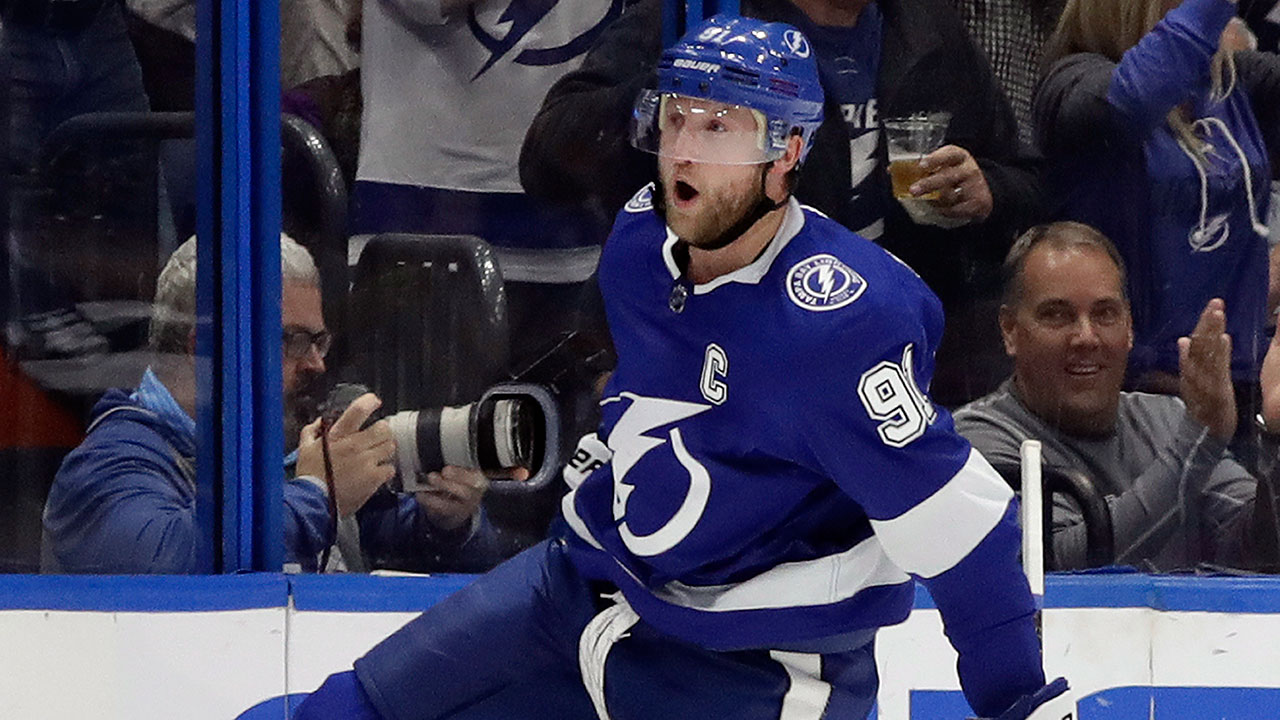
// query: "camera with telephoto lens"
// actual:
[[512, 425]]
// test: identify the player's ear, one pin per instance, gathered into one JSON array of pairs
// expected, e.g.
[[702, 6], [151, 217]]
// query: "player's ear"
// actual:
[[779, 174], [791, 158]]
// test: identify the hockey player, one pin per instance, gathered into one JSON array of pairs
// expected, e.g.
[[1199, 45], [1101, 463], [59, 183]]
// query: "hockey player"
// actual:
[[769, 477]]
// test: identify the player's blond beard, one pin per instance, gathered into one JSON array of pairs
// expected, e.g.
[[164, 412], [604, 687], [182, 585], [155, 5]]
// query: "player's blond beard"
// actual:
[[728, 219]]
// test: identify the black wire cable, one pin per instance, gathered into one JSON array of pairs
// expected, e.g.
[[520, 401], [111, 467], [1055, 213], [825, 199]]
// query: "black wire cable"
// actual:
[[331, 494]]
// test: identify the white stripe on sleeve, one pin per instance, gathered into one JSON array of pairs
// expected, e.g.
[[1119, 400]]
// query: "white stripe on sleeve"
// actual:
[[937, 534]]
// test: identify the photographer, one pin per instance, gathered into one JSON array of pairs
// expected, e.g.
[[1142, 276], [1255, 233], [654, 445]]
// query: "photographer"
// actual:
[[440, 526], [124, 500]]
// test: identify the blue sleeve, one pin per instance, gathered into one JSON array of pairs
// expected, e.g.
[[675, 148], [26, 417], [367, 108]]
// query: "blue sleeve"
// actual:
[[989, 616], [121, 504], [393, 529], [395, 532], [1170, 65], [939, 510], [308, 528], [340, 698], [871, 415]]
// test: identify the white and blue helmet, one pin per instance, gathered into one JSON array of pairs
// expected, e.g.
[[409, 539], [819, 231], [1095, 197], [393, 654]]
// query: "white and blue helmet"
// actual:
[[766, 68]]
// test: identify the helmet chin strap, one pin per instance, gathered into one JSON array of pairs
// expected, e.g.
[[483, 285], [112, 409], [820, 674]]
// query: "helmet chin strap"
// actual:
[[762, 207]]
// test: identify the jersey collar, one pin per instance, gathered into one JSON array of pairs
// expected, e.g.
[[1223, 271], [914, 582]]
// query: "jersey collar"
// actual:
[[754, 272]]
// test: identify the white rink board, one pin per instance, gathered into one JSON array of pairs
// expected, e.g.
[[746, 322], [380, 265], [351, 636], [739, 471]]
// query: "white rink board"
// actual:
[[1208, 648], [321, 643], [916, 656], [70, 664]]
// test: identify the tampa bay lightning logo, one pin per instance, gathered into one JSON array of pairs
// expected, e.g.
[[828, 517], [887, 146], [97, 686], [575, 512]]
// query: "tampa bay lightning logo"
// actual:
[[641, 201], [638, 432], [1212, 236], [822, 282], [796, 42], [522, 16]]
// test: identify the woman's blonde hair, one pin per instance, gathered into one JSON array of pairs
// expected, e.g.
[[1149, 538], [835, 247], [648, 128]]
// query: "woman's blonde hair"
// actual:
[[1110, 27]]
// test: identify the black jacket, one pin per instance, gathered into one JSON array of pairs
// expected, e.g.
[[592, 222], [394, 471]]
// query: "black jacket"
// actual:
[[577, 149]]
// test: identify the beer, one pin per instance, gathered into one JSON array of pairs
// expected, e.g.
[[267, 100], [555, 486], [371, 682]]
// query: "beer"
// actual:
[[910, 139], [905, 171]]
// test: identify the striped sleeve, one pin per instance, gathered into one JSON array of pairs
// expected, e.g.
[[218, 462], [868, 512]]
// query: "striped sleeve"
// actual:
[[954, 520]]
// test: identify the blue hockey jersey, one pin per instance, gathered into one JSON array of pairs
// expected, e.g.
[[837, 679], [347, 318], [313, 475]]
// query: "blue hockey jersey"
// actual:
[[769, 469]]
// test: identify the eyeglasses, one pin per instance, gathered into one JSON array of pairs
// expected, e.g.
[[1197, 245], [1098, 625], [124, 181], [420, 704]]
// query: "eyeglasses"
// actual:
[[298, 342]]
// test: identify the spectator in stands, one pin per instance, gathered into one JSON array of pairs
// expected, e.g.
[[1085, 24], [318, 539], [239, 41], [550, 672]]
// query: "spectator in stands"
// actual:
[[333, 105], [58, 60], [313, 39], [1271, 388], [449, 89], [1269, 419], [1176, 496], [313, 43], [61, 59], [877, 60], [1012, 33], [163, 33], [124, 500], [1163, 140]]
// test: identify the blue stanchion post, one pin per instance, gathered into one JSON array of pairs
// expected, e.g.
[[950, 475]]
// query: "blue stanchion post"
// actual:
[[266, 389], [692, 14], [239, 494], [236, 419], [680, 15], [727, 7]]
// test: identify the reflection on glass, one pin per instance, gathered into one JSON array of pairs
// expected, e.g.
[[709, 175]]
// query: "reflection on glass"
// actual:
[[488, 287], [87, 224], [124, 499], [406, 490]]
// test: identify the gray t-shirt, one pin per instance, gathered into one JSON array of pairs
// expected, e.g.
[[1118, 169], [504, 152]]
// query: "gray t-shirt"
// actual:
[[1177, 498]]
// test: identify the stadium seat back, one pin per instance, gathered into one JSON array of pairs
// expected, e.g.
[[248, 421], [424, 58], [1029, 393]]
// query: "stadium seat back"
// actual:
[[313, 205], [428, 320]]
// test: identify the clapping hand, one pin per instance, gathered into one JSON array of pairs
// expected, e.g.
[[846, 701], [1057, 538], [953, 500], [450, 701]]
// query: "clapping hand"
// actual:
[[1204, 359], [1270, 380]]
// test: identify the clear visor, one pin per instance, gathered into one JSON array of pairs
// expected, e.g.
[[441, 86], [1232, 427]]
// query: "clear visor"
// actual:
[[678, 127]]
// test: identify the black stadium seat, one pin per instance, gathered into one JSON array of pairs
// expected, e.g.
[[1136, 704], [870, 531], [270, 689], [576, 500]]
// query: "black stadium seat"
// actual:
[[1080, 488], [313, 202], [429, 320]]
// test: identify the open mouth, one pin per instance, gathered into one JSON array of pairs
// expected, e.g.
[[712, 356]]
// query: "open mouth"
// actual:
[[685, 192]]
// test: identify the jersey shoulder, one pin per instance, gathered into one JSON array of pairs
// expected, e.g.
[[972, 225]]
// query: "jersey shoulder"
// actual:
[[637, 229], [835, 277], [638, 212]]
